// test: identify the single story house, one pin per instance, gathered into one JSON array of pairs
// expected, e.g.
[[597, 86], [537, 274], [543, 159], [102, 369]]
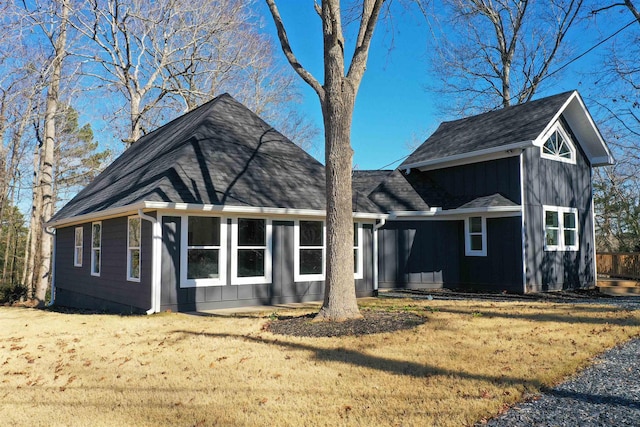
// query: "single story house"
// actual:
[[217, 209]]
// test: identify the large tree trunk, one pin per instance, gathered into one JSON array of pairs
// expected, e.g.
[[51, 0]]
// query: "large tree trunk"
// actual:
[[45, 182], [31, 249], [340, 295], [337, 97]]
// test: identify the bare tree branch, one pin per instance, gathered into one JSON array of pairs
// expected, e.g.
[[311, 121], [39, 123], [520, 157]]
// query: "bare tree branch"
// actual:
[[288, 52]]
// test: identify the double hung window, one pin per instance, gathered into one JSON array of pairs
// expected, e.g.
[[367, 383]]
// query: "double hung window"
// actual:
[[310, 250], [96, 248], [560, 228], [251, 246], [77, 250], [133, 248], [204, 256], [357, 251], [475, 230]]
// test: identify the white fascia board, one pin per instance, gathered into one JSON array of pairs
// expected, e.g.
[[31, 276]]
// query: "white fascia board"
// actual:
[[491, 211], [195, 207], [602, 161], [98, 216], [252, 210], [600, 144], [492, 153], [539, 140]]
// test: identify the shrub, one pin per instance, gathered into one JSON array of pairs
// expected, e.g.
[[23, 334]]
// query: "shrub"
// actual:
[[10, 293]]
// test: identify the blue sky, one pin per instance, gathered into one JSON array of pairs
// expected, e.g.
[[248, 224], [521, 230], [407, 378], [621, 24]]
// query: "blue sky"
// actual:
[[394, 110]]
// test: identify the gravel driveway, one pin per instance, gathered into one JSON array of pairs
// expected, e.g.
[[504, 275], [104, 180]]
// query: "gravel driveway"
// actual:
[[605, 394]]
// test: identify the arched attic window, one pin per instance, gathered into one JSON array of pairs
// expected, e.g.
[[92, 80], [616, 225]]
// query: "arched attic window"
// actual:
[[558, 146]]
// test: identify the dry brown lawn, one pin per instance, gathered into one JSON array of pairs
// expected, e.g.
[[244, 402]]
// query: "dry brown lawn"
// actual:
[[468, 361]]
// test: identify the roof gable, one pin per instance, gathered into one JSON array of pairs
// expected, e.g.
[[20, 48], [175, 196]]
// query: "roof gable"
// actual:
[[221, 153], [503, 131]]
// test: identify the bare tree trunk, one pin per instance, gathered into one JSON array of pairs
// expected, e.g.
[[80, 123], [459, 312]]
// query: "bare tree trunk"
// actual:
[[7, 251], [45, 182], [337, 98], [31, 249], [340, 296], [27, 267], [136, 128]]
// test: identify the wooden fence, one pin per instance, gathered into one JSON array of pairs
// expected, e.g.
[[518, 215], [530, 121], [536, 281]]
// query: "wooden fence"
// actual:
[[622, 265]]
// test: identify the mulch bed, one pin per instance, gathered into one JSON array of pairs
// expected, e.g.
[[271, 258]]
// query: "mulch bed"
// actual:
[[373, 322]]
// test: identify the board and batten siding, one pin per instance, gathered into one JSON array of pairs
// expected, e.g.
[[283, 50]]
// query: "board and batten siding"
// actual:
[[554, 183], [111, 291], [282, 289], [431, 255], [479, 179]]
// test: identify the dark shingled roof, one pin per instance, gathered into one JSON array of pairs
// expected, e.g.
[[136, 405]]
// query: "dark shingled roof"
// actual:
[[365, 181], [220, 153], [488, 202], [518, 123]]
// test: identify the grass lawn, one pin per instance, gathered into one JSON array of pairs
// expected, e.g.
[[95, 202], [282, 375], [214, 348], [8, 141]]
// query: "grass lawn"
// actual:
[[468, 361]]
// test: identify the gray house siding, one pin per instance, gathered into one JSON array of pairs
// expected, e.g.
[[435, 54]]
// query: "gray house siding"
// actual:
[[431, 255], [282, 289], [501, 269], [111, 291], [479, 179], [549, 182], [420, 254]]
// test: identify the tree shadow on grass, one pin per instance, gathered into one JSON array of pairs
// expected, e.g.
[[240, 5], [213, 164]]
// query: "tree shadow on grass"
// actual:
[[545, 316], [392, 366]]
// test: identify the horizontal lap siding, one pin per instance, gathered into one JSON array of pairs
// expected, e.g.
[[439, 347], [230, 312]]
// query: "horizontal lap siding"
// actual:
[[549, 182], [111, 291], [283, 288]]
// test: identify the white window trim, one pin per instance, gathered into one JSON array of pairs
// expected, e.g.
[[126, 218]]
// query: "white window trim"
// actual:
[[76, 246], [467, 237], [558, 127], [359, 261], [235, 280], [94, 248], [221, 280], [560, 246], [297, 277], [129, 248]]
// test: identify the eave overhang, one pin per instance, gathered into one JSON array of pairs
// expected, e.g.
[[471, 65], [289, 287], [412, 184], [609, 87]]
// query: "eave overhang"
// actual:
[[487, 154], [444, 214], [584, 128], [199, 208]]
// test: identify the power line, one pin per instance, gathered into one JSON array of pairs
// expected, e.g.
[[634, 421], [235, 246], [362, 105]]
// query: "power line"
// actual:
[[601, 42], [606, 39], [395, 161]]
